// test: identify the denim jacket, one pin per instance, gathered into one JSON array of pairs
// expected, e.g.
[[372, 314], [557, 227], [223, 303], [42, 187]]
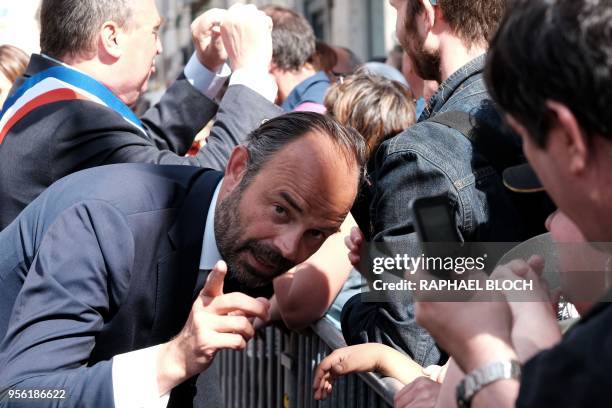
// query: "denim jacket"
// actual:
[[431, 159]]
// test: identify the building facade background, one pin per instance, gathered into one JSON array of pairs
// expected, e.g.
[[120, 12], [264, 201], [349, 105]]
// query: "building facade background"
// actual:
[[19, 24], [367, 27]]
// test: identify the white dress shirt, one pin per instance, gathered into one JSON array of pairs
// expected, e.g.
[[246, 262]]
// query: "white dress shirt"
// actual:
[[210, 83]]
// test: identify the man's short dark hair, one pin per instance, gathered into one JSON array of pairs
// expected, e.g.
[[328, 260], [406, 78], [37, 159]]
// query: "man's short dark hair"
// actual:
[[557, 50], [293, 39], [69, 27], [263, 143], [474, 21]]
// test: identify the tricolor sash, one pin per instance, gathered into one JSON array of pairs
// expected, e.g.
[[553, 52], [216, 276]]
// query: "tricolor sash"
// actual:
[[56, 84]]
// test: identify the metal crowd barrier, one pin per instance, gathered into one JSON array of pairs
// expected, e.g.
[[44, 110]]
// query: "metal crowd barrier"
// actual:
[[277, 367]]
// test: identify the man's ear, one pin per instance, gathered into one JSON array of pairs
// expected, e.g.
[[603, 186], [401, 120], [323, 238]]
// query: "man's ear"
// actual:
[[574, 139], [273, 68], [236, 167], [111, 39], [429, 15]]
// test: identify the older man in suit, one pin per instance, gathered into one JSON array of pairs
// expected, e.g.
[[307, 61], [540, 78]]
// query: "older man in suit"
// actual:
[[100, 272], [70, 111]]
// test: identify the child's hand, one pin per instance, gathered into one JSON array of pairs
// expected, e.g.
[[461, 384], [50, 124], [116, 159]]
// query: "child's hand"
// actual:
[[353, 242], [436, 373], [346, 360]]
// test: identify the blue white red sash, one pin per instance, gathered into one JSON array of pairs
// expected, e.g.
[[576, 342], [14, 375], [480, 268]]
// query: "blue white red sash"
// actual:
[[57, 84]]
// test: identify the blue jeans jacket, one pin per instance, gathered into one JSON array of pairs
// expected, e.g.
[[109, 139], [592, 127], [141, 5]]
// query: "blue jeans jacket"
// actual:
[[425, 160]]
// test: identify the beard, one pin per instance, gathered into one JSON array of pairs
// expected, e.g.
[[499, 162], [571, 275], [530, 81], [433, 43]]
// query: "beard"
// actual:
[[229, 229], [426, 63]]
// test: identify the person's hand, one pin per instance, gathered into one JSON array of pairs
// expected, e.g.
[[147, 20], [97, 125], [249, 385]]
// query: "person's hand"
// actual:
[[535, 325], [421, 393], [217, 321], [247, 36], [436, 373], [352, 359], [353, 242], [206, 35]]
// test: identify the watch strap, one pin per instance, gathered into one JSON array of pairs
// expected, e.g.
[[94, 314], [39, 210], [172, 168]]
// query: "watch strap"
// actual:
[[483, 376]]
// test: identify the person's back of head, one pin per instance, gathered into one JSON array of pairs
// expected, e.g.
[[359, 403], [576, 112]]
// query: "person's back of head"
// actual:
[[378, 108], [13, 63], [70, 27], [324, 58], [555, 85], [348, 61], [293, 39], [474, 21], [568, 59]]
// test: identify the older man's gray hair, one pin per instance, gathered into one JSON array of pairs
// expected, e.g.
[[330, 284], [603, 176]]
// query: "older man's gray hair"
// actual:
[[69, 27]]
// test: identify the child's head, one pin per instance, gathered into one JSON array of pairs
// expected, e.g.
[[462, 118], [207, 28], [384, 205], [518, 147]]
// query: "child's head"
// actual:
[[376, 107]]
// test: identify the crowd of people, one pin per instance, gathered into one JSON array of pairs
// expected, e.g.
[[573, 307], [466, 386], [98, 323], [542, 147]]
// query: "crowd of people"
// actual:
[[130, 256]]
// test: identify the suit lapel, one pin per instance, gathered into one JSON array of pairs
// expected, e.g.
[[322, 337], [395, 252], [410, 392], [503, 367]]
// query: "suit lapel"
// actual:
[[188, 230], [177, 273]]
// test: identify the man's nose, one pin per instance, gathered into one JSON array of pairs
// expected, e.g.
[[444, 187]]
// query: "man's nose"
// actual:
[[288, 243], [160, 47]]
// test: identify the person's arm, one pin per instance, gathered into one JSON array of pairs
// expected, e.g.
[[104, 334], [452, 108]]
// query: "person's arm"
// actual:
[[503, 332], [370, 357], [306, 292], [187, 106], [78, 278]]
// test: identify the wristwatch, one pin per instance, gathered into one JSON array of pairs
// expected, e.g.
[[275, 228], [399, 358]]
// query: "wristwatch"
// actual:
[[483, 376]]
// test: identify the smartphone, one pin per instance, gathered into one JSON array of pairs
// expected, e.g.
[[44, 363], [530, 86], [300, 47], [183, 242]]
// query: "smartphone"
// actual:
[[434, 221]]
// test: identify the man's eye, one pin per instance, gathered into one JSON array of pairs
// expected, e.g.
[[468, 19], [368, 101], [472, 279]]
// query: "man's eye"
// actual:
[[317, 234], [279, 210]]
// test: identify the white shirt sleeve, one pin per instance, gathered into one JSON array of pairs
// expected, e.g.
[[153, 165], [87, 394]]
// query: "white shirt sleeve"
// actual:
[[204, 80], [135, 380], [261, 82]]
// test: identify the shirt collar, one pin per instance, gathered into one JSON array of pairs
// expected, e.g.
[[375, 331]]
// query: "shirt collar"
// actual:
[[210, 252], [62, 63]]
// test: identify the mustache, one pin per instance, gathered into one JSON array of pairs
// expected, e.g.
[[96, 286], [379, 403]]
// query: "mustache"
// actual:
[[269, 255]]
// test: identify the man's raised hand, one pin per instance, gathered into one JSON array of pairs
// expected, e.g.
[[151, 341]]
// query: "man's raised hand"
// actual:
[[247, 36], [206, 35], [217, 321]]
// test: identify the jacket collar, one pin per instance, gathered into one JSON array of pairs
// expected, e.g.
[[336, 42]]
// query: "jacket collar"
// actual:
[[311, 89], [37, 64], [453, 84]]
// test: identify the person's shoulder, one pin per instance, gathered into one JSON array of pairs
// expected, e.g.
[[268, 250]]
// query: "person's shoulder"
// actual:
[[131, 187], [67, 119], [423, 138]]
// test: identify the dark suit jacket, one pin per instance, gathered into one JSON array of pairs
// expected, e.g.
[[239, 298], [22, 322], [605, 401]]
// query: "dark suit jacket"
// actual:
[[103, 262], [61, 138]]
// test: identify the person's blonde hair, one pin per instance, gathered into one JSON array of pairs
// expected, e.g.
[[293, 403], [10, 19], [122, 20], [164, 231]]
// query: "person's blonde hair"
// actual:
[[377, 107], [13, 62]]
